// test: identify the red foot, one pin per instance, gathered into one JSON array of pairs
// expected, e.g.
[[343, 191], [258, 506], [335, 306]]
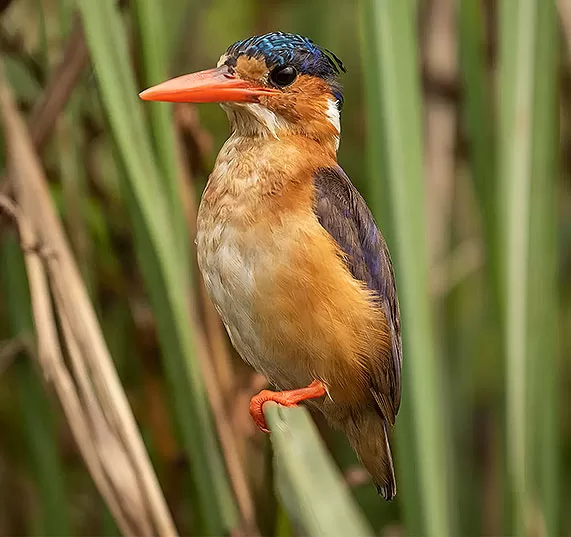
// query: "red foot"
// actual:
[[288, 398]]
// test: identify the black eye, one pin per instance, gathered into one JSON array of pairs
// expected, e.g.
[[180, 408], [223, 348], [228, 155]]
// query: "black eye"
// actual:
[[283, 76]]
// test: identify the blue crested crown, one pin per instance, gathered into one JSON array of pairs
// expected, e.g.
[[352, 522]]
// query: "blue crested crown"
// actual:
[[279, 48]]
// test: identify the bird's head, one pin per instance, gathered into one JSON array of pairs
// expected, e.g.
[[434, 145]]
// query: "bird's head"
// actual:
[[270, 85]]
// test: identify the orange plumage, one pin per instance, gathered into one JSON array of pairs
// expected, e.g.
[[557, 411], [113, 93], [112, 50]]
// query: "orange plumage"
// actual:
[[289, 252]]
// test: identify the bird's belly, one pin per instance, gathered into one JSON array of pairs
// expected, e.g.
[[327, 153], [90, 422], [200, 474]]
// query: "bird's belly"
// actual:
[[289, 305], [227, 267], [231, 261]]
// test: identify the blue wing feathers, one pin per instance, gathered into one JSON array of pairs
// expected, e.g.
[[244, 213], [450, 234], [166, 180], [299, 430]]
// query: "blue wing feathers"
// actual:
[[344, 214]]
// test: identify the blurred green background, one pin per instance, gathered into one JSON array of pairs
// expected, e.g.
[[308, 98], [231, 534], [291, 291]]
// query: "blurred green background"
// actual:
[[456, 128]]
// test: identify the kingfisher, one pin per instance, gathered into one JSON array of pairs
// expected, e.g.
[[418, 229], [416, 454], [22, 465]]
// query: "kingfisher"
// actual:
[[289, 251]]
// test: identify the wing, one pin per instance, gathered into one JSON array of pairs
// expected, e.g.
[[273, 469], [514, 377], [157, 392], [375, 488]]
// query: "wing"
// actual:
[[343, 213]]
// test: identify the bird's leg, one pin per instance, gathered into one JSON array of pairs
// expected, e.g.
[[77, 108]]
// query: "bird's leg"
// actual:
[[288, 398]]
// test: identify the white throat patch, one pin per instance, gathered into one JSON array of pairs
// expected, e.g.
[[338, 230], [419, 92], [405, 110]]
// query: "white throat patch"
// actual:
[[254, 118], [334, 118]]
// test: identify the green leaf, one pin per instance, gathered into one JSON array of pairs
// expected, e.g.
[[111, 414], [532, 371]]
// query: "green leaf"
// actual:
[[398, 112], [160, 261], [154, 36], [542, 319], [526, 169], [311, 487], [479, 123]]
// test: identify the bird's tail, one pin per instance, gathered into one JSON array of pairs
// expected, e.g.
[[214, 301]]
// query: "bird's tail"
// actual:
[[368, 436]]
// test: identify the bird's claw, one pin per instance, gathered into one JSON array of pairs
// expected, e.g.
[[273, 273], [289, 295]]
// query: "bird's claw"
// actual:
[[287, 398], [257, 406]]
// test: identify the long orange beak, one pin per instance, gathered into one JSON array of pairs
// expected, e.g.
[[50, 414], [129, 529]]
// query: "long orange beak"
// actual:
[[210, 86]]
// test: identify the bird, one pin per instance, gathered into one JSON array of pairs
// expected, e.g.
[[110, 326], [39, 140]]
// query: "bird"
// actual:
[[289, 251]]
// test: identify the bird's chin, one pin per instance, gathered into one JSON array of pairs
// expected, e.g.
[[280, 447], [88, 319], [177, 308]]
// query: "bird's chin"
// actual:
[[229, 107], [251, 119]]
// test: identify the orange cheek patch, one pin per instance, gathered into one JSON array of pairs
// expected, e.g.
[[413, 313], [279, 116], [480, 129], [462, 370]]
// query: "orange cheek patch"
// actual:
[[252, 69], [310, 86], [306, 99]]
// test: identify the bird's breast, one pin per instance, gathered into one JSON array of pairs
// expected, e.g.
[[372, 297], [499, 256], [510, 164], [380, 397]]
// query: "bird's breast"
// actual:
[[240, 235], [289, 303]]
